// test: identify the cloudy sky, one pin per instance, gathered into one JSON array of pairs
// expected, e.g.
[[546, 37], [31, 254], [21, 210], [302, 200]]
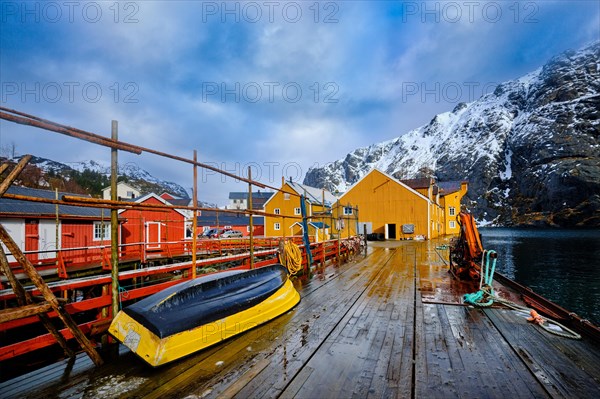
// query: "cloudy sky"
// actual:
[[281, 86]]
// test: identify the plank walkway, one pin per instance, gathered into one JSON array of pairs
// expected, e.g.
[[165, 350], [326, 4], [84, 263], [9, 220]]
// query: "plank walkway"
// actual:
[[386, 325]]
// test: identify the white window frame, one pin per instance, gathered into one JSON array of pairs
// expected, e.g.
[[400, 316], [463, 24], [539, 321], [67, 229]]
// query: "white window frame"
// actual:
[[277, 211], [98, 227], [297, 211], [348, 210], [227, 227], [286, 196], [452, 224], [247, 229], [452, 211], [276, 226]]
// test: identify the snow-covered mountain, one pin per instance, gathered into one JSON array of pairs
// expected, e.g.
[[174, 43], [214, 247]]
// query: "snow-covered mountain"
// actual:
[[530, 150], [133, 174]]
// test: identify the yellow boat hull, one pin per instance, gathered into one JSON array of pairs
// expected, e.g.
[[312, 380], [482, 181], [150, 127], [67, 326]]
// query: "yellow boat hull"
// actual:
[[156, 351]]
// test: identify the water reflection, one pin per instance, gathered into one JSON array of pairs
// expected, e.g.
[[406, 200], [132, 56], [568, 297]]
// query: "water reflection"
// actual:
[[562, 265]]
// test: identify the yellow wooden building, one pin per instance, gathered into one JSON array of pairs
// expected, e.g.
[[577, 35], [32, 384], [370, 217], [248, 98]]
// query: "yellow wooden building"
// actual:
[[409, 209], [286, 202], [451, 194]]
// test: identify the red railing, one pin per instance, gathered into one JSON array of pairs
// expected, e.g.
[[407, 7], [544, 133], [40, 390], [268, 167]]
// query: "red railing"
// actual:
[[69, 260]]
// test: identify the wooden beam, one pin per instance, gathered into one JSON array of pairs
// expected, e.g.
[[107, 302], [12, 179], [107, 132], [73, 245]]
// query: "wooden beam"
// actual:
[[30, 120], [14, 174], [25, 298], [49, 295], [24, 311]]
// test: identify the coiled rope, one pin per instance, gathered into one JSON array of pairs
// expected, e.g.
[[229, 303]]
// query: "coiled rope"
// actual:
[[552, 326], [485, 297], [291, 257]]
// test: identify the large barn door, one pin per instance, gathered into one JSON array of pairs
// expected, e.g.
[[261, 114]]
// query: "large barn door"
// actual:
[[153, 235], [47, 231]]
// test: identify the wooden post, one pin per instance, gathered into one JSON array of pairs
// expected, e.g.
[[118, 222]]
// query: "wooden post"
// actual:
[[250, 216], [322, 213], [282, 258], [37, 280], [365, 237], [56, 232], [114, 223], [339, 234], [195, 217]]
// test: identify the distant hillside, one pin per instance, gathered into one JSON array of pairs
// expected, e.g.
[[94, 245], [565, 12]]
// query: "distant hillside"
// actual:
[[90, 177]]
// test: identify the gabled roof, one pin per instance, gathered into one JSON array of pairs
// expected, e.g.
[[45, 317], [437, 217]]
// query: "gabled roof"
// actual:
[[26, 208], [180, 201], [418, 194], [421, 182], [146, 197], [449, 187], [313, 195]]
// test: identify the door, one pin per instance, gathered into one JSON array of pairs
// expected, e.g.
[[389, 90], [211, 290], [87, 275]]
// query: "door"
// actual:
[[32, 238], [16, 229], [47, 231], [153, 235], [390, 231]]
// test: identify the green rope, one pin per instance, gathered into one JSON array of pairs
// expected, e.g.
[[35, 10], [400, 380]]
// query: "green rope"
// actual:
[[485, 296]]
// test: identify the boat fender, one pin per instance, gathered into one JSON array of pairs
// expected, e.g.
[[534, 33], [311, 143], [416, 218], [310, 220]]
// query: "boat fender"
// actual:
[[535, 318]]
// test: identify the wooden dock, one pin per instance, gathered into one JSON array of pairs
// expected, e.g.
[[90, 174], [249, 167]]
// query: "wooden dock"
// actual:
[[386, 325]]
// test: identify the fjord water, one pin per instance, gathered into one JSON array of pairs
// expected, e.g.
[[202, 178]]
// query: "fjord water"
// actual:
[[561, 265]]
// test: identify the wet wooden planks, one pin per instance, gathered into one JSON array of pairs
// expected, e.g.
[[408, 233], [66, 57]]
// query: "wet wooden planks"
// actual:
[[565, 367], [364, 355], [465, 356]]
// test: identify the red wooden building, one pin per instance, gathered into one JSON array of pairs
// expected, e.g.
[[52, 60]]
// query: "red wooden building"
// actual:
[[149, 233], [80, 235]]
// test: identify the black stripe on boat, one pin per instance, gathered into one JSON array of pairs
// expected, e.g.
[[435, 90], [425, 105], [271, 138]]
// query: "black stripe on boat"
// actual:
[[206, 299]]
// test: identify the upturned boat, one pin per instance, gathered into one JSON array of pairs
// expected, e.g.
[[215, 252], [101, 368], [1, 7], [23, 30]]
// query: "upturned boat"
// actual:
[[199, 313]]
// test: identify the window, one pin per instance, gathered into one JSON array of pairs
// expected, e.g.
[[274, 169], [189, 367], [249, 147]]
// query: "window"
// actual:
[[297, 211], [277, 211], [247, 229], [286, 196], [101, 231], [348, 210], [277, 226], [452, 224], [451, 211], [130, 194], [227, 227]]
